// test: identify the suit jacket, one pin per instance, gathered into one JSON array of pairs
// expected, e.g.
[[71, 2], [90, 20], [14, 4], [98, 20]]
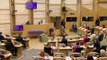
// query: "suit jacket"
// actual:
[[1, 37], [100, 37]]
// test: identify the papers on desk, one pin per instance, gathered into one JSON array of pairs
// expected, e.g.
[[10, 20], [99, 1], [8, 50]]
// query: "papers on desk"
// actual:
[[68, 58], [67, 47], [80, 39]]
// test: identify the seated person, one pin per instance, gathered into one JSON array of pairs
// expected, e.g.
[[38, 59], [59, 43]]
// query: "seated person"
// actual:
[[101, 35], [85, 39], [48, 49], [51, 30], [64, 40], [1, 36], [86, 26], [10, 47], [77, 48], [97, 46], [20, 39], [92, 30], [74, 27]]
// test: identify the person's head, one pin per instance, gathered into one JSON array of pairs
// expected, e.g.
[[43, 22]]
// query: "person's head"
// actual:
[[77, 43], [90, 58], [102, 52], [63, 36], [0, 33]]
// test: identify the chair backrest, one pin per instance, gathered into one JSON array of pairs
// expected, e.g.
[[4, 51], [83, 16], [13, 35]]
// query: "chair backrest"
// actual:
[[58, 58], [80, 58], [38, 58], [102, 58]]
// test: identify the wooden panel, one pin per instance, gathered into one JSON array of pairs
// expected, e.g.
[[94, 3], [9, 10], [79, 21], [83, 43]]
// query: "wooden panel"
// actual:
[[44, 27]]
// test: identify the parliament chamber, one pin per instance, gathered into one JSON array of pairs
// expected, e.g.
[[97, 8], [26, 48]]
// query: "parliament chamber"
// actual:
[[53, 29]]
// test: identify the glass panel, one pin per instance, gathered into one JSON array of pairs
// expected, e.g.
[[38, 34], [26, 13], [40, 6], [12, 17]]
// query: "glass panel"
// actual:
[[39, 14], [21, 9], [40, 7], [73, 7], [21, 1], [21, 19], [4, 4], [56, 10], [70, 1], [87, 1], [5, 28], [4, 19], [54, 1], [39, 1]]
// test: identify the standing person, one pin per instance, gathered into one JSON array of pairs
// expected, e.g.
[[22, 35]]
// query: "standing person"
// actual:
[[63, 23], [1, 36], [92, 30], [97, 22], [97, 46], [74, 27], [101, 35]]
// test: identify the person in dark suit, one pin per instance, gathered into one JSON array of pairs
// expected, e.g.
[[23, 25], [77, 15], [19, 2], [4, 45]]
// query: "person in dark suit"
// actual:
[[74, 27], [101, 35], [92, 30], [20, 39], [97, 22], [48, 49], [51, 30], [97, 46], [63, 23], [64, 40], [10, 47], [1, 36]]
